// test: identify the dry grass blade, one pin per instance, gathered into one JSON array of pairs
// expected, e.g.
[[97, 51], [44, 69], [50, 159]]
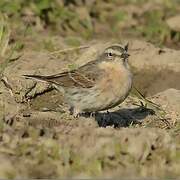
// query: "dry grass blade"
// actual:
[[146, 101], [6, 51], [4, 36]]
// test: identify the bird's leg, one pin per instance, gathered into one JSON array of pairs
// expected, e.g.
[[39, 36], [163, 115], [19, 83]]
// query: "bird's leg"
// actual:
[[92, 114], [76, 112]]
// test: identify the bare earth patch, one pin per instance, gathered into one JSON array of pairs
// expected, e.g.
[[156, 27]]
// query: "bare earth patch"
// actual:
[[38, 132]]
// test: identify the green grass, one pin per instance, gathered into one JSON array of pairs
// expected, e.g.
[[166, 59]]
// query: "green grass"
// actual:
[[72, 19]]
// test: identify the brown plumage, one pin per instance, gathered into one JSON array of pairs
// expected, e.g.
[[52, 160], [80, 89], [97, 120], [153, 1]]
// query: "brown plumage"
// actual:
[[98, 85], [85, 76]]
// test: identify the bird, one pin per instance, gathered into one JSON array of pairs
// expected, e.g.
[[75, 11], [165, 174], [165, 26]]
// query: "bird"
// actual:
[[99, 85]]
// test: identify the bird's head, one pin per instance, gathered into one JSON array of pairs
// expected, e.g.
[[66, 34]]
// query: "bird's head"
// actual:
[[117, 53]]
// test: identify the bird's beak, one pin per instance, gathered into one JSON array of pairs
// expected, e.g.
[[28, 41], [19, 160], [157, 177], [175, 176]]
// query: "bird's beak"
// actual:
[[125, 55]]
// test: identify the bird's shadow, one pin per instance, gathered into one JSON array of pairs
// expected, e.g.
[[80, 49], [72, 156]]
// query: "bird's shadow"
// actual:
[[123, 117]]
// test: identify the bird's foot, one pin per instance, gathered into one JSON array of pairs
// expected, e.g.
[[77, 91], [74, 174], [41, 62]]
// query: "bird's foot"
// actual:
[[75, 112], [92, 114]]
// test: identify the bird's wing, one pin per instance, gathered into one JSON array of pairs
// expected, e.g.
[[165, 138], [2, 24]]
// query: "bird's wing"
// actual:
[[84, 77]]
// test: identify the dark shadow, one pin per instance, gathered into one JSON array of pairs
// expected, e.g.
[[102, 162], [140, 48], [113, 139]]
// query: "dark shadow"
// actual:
[[123, 117]]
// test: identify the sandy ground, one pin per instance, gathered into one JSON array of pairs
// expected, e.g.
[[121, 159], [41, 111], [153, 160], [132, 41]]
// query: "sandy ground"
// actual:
[[38, 136], [134, 139]]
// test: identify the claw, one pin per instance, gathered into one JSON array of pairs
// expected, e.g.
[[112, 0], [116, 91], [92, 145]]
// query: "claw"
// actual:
[[75, 112]]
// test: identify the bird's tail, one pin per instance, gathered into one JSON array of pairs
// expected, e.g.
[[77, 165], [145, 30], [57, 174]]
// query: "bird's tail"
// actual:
[[36, 77], [44, 79]]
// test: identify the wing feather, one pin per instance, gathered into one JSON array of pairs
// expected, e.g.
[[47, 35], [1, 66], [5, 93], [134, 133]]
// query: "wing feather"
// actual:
[[84, 77]]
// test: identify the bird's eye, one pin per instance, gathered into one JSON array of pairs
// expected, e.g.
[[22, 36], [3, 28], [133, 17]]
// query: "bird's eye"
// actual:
[[109, 54]]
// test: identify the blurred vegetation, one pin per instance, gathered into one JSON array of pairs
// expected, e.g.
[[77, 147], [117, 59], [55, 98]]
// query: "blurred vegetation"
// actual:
[[88, 18], [57, 152], [7, 50]]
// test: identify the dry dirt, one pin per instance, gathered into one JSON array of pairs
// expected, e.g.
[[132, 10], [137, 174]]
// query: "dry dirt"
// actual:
[[39, 139]]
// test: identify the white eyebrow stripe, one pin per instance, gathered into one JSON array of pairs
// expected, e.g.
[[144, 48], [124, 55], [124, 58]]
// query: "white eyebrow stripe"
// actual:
[[115, 52]]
